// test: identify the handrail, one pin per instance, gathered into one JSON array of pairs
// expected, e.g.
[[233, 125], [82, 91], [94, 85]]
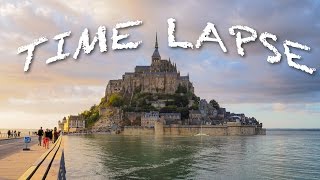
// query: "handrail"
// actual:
[[30, 173], [49, 166]]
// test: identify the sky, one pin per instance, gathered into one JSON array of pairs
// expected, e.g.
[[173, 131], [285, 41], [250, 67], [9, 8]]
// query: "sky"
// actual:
[[275, 94]]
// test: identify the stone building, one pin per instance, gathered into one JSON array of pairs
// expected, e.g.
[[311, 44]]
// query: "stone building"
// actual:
[[221, 113], [171, 118], [73, 123], [148, 119], [161, 76], [61, 124], [195, 117]]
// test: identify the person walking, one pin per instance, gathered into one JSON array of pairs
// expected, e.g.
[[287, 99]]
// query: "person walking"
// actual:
[[46, 138], [40, 134], [55, 134], [9, 134]]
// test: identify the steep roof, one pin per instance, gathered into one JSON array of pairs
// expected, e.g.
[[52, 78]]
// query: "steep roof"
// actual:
[[156, 53]]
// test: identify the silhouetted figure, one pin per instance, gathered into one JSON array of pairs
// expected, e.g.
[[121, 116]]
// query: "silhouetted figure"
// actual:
[[55, 134], [40, 134], [9, 133]]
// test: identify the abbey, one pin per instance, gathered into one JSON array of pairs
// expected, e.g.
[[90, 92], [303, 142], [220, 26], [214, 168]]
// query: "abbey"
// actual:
[[161, 76]]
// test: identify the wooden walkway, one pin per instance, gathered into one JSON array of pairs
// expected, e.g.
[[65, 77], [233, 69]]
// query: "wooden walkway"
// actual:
[[49, 166], [13, 166]]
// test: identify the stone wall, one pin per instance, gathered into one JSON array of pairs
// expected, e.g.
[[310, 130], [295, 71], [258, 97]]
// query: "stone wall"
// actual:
[[191, 130], [138, 130], [261, 131]]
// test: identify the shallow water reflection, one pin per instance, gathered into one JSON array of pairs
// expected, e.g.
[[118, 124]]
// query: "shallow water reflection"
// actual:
[[279, 155]]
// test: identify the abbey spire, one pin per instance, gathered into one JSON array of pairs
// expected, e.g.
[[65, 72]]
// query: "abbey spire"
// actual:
[[156, 54], [156, 44]]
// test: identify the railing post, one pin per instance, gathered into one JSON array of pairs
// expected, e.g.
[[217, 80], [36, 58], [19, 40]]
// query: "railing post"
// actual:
[[62, 169]]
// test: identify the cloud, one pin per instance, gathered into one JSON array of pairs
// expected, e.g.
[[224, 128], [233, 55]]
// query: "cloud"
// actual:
[[278, 107], [227, 77]]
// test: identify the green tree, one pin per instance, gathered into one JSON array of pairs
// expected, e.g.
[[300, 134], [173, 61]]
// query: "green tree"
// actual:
[[184, 111], [91, 116], [115, 100], [215, 104], [181, 101], [168, 109], [181, 89]]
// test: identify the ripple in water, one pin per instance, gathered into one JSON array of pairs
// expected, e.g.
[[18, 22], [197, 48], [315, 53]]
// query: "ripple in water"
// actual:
[[278, 155]]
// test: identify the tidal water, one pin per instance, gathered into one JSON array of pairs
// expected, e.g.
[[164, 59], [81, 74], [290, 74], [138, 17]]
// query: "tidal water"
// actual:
[[281, 154]]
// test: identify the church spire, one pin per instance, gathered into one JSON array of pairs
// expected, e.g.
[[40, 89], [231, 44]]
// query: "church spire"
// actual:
[[156, 44], [156, 55]]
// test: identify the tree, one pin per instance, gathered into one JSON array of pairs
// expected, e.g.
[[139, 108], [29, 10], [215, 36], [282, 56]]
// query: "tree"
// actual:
[[115, 100], [184, 111], [168, 109], [181, 101], [91, 116], [215, 104], [181, 89]]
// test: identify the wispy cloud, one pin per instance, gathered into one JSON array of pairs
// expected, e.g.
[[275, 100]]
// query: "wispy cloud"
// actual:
[[72, 85]]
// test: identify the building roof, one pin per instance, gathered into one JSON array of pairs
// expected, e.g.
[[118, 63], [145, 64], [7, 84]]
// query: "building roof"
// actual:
[[156, 53]]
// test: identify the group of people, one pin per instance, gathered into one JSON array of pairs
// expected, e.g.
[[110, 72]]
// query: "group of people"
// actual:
[[44, 137], [13, 134]]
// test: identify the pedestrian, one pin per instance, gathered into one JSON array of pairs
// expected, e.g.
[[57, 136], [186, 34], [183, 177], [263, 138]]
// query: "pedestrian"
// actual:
[[9, 134], [19, 133], [50, 134], [46, 138], [55, 134], [40, 134]]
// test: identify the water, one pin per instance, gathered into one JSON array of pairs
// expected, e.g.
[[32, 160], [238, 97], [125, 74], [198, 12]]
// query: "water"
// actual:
[[278, 155]]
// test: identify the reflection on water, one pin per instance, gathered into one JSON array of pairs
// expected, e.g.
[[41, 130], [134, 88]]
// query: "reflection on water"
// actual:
[[279, 155]]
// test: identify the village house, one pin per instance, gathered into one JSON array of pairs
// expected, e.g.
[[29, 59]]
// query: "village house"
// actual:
[[171, 118], [148, 119], [72, 123]]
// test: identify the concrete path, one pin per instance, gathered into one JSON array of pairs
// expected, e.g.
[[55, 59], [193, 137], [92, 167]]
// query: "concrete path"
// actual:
[[14, 164], [11, 146]]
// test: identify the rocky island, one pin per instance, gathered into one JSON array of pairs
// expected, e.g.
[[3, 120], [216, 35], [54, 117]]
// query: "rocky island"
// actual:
[[158, 100]]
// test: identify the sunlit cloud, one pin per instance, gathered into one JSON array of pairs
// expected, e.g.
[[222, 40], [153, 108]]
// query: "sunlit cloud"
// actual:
[[70, 86]]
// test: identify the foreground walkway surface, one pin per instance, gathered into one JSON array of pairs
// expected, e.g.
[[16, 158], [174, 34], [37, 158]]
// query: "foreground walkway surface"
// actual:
[[14, 165], [11, 146]]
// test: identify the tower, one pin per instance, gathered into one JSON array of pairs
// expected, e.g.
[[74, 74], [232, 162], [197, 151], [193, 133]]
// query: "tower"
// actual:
[[156, 55]]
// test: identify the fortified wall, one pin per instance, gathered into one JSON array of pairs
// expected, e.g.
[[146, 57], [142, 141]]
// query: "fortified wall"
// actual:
[[191, 130]]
